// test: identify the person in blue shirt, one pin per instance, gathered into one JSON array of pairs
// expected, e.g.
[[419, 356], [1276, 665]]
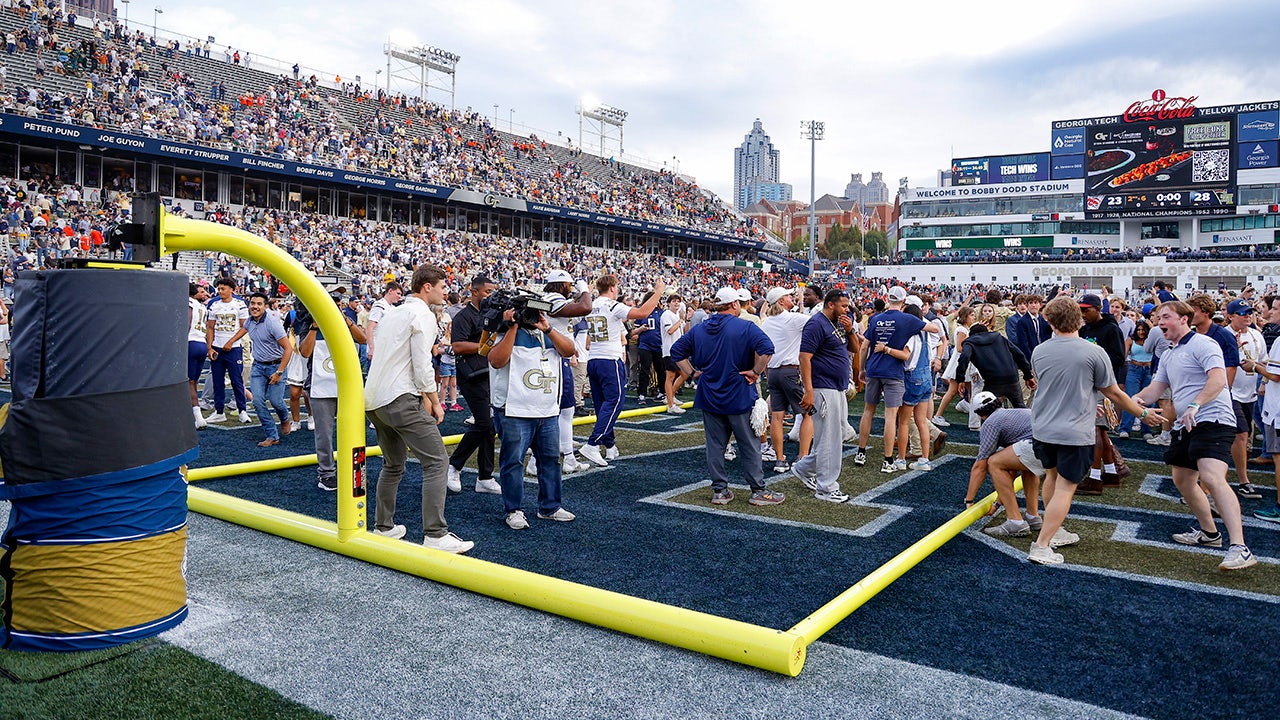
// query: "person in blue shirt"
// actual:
[[730, 354], [881, 365], [649, 344], [825, 343]]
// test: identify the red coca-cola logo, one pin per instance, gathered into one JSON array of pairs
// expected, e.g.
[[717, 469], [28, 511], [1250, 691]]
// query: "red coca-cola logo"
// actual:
[[1161, 107]]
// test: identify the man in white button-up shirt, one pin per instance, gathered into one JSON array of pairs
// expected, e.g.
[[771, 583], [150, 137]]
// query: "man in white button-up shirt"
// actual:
[[400, 400]]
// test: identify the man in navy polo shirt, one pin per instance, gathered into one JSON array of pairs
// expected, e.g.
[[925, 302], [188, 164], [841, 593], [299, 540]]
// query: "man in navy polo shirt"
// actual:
[[825, 343], [730, 354]]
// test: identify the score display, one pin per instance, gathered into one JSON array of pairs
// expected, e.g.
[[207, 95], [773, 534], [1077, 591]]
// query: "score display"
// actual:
[[1160, 168]]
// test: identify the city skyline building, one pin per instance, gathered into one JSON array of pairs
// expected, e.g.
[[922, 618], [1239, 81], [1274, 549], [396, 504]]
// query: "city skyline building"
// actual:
[[755, 162]]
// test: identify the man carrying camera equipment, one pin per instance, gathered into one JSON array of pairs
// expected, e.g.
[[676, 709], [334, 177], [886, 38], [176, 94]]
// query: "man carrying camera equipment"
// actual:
[[323, 397], [401, 402], [606, 366], [473, 383], [730, 354], [527, 384]]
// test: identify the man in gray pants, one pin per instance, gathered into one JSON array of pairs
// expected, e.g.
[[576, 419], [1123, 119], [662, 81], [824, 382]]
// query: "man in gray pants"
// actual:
[[400, 400], [825, 343]]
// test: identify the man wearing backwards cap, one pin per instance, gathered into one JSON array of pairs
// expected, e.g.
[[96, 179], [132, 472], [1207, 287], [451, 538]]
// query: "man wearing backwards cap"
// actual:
[[730, 354], [1244, 388]]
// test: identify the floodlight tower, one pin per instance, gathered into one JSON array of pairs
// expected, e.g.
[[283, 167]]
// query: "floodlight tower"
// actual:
[[812, 130], [414, 64], [604, 116]]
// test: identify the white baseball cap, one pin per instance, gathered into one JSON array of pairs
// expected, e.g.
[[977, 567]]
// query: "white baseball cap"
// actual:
[[915, 300], [776, 294], [897, 293], [744, 295], [559, 276], [726, 295]]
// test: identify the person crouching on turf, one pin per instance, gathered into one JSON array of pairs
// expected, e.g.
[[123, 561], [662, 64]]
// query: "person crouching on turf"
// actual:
[[525, 385], [1004, 450], [732, 353]]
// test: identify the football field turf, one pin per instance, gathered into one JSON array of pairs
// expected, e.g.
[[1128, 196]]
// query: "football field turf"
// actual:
[[1133, 623]]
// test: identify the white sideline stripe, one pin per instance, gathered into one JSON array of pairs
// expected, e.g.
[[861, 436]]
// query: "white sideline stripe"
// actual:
[[1013, 552]]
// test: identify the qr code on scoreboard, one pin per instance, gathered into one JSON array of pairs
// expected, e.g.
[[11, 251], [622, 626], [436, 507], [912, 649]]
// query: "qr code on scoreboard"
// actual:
[[1210, 166]]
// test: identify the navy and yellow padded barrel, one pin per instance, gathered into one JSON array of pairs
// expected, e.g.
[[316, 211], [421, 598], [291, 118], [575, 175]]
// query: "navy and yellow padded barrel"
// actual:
[[91, 451]]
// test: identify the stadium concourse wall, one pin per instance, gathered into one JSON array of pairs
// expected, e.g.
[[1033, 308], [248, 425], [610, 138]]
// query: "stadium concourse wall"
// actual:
[[1120, 277]]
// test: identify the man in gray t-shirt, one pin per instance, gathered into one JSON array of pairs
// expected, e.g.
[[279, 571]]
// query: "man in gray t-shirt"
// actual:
[[1071, 372], [1205, 430]]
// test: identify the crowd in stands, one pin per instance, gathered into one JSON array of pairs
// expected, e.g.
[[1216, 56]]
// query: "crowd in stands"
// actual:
[[134, 85]]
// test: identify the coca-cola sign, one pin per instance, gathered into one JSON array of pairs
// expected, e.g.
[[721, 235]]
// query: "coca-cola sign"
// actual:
[[1161, 107]]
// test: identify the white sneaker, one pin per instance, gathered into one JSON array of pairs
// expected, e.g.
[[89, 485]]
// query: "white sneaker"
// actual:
[[611, 453], [295, 426], [560, 515], [1044, 555], [516, 520], [395, 533], [1062, 538], [216, 418], [900, 464], [311, 424], [199, 418], [730, 452], [1162, 439], [531, 467], [471, 420], [675, 409], [940, 421], [921, 464], [244, 417], [849, 433], [488, 486], [593, 456], [206, 405], [835, 496], [767, 452], [448, 543], [570, 464], [454, 480]]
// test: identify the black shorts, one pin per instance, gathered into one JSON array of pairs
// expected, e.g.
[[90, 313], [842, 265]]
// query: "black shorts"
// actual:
[[1071, 461], [670, 365], [1244, 416], [1204, 441], [785, 389]]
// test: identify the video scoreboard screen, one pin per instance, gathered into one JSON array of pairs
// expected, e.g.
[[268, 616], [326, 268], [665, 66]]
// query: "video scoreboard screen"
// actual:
[[1161, 167]]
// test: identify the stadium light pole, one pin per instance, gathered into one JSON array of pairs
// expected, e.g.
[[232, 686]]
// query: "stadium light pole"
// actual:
[[495, 115], [126, 12], [155, 18], [812, 130], [511, 120]]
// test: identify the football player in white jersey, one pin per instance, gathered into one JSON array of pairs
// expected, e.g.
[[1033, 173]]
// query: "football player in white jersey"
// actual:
[[197, 344], [560, 291], [606, 363]]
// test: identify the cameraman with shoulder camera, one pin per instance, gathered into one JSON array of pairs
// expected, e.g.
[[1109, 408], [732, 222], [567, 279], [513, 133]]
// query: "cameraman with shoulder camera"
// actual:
[[473, 383], [527, 380]]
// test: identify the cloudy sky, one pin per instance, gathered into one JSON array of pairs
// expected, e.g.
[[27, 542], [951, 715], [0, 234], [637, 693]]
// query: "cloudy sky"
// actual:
[[902, 86]]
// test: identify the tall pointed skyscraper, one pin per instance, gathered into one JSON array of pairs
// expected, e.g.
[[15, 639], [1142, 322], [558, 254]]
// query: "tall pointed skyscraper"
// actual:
[[755, 169]]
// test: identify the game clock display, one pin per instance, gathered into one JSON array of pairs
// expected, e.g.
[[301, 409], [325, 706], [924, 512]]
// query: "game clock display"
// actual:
[[1160, 168]]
